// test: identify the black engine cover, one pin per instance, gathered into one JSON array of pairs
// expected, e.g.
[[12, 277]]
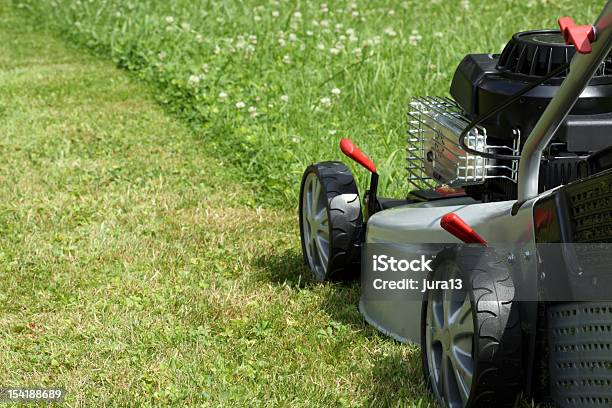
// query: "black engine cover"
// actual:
[[483, 81]]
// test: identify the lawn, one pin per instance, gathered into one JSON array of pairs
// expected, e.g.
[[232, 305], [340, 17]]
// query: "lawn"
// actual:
[[272, 85], [149, 251], [136, 271]]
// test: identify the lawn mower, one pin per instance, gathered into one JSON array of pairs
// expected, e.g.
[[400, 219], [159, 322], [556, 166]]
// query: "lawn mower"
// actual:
[[497, 262]]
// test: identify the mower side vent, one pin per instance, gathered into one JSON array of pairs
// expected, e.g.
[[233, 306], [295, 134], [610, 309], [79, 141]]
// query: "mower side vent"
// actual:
[[590, 203], [581, 354]]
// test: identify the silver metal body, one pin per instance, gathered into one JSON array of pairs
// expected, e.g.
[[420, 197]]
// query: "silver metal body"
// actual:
[[415, 230], [435, 156], [582, 69]]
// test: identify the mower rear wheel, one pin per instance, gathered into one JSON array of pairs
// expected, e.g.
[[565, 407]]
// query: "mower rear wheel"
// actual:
[[471, 336], [330, 221]]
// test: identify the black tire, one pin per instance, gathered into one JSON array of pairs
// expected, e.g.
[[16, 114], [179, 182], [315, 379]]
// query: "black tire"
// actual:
[[496, 357], [340, 200]]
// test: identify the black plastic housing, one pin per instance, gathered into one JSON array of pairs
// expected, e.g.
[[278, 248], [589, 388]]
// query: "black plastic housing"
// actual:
[[483, 81]]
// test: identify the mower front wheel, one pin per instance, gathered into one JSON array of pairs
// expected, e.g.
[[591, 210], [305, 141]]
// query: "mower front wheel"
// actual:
[[330, 221]]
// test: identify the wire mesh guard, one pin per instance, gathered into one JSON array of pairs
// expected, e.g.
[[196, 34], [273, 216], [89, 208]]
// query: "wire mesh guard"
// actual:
[[435, 156]]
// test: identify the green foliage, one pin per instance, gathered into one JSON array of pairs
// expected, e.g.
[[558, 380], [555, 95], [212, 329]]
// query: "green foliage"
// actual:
[[378, 55]]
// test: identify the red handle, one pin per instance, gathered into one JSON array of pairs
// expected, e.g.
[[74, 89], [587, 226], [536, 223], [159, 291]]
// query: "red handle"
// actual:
[[354, 153], [452, 223], [580, 37]]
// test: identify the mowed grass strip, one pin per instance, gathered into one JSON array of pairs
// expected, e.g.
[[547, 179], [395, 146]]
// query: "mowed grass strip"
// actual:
[[135, 271]]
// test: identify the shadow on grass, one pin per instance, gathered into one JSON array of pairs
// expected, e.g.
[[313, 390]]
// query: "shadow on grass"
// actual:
[[288, 268], [397, 380]]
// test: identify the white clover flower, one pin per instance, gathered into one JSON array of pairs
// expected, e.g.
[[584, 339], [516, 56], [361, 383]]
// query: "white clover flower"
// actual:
[[355, 14], [253, 39], [295, 139], [253, 111], [326, 101], [338, 27], [297, 14], [309, 33], [414, 38], [169, 19], [332, 132], [324, 8], [194, 80], [205, 68], [320, 46], [284, 98], [217, 49], [390, 32], [199, 38], [324, 23], [357, 51], [334, 51], [287, 59], [275, 14], [222, 95], [186, 26], [391, 12], [465, 4], [438, 34], [161, 55], [256, 18], [292, 37], [336, 91], [240, 105]]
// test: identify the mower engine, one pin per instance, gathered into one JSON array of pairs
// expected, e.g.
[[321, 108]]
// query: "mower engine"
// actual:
[[484, 81]]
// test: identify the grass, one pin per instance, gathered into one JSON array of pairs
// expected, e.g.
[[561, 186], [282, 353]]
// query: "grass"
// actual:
[[148, 256], [259, 53], [135, 271]]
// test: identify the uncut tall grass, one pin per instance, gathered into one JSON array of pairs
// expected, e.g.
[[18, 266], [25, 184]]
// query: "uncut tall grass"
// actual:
[[273, 85]]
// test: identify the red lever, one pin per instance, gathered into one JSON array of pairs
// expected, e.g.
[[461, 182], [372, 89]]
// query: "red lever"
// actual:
[[452, 223], [580, 37], [354, 153]]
